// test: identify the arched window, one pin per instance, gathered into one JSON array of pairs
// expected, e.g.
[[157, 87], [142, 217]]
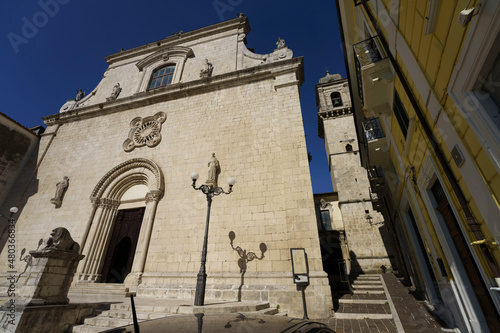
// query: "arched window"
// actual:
[[161, 77], [336, 99]]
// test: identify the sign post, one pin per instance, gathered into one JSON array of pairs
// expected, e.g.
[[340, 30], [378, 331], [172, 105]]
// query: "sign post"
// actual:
[[300, 270]]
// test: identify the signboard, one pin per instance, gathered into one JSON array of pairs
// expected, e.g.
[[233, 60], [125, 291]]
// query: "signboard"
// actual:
[[299, 266]]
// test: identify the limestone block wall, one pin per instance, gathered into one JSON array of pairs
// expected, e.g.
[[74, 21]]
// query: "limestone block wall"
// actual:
[[369, 245]]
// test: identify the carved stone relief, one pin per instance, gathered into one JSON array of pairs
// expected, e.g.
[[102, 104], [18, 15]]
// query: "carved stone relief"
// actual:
[[144, 132]]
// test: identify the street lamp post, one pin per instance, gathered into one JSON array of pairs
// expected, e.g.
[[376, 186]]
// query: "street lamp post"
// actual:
[[210, 191], [10, 218]]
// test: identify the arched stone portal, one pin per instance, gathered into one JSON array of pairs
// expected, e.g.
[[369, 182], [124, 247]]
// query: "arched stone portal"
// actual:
[[106, 199]]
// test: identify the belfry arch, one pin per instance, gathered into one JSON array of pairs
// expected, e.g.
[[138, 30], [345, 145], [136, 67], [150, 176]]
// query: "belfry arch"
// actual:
[[106, 199]]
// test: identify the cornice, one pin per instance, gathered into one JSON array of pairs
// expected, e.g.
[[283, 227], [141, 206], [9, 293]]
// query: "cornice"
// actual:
[[181, 38], [181, 90]]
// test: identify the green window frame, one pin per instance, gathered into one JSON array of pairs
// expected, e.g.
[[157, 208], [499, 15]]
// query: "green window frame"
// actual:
[[401, 114]]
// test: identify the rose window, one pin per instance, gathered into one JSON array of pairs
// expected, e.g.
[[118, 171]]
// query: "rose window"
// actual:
[[144, 132]]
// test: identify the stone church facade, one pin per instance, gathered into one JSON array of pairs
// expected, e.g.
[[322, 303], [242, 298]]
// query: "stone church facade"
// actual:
[[114, 169]]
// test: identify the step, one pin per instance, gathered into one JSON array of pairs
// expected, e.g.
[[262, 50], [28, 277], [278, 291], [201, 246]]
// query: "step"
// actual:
[[366, 277], [364, 297], [368, 292], [140, 315], [361, 316], [223, 308], [362, 301], [114, 289], [367, 286], [88, 329], [364, 308], [107, 322]]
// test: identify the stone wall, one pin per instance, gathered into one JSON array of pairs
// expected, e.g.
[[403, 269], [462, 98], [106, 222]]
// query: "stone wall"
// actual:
[[366, 236]]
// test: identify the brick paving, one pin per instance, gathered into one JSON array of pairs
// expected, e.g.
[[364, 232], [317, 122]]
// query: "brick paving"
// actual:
[[364, 308], [362, 325], [412, 313], [358, 313]]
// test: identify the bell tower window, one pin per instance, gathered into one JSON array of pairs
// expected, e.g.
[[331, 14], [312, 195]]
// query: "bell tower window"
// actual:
[[336, 99]]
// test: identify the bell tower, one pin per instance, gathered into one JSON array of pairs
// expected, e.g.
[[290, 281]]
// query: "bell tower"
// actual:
[[365, 230]]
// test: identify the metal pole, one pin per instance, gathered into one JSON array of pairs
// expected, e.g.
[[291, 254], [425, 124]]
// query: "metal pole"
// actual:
[[304, 302], [199, 298], [134, 315]]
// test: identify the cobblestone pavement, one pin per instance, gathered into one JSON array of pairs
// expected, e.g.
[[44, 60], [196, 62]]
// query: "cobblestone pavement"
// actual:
[[381, 304]]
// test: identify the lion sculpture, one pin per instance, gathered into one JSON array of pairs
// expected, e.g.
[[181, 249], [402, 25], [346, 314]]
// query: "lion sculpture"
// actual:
[[60, 239]]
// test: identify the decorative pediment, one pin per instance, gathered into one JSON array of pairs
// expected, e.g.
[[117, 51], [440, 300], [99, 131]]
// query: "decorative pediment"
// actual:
[[175, 52]]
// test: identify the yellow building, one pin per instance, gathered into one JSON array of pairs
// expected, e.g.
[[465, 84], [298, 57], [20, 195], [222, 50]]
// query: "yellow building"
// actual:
[[426, 74]]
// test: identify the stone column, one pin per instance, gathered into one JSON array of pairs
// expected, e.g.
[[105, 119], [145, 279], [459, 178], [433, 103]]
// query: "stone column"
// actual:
[[98, 240], [133, 279]]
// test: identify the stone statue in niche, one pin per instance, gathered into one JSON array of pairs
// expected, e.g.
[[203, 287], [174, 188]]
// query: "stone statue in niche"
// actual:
[[114, 94], [79, 95], [280, 43], [207, 70], [60, 187], [213, 170], [60, 239], [323, 204]]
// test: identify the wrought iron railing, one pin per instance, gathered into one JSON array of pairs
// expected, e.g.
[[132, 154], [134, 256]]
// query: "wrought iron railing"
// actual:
[[375, 173], [366, 53], [372, 129], [359, 2]]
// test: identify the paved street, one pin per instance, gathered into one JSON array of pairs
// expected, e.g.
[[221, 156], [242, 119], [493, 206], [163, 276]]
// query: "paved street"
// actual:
[[382, 304]]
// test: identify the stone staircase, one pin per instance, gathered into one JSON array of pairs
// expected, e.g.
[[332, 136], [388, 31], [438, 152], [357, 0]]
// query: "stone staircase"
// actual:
[[116, 309], [121, 314], [366, 309], [98, 289]]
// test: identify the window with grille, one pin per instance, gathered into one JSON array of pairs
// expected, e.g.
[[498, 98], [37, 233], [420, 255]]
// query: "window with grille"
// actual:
[[161, 77], [401, 114], [325, 220]]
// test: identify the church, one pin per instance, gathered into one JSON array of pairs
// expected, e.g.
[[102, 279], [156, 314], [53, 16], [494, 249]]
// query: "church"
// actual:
[[113, 168]]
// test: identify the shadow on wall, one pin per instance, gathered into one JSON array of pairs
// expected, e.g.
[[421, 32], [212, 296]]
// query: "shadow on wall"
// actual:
[[245, 257], [386, 238], [356, 269], [25, 186]]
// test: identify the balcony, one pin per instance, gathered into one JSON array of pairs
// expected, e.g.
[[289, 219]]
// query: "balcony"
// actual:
[[375, 77], [359, 2], [377, 182], [376, 142]]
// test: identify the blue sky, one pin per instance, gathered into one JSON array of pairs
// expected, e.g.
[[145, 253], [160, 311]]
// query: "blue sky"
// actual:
[[51, 48]]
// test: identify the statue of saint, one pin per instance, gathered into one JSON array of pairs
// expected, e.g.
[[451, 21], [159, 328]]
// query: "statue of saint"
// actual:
[[56, 200], [79, 95], [280, 43], [207, 71], [116, 91], [213, 170]]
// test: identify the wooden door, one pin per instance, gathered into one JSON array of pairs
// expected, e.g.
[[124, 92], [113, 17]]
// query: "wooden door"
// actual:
[[472, 270], [120, 254]]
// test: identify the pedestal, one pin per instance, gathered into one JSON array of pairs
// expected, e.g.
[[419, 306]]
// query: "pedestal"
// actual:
[[49, 278]]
